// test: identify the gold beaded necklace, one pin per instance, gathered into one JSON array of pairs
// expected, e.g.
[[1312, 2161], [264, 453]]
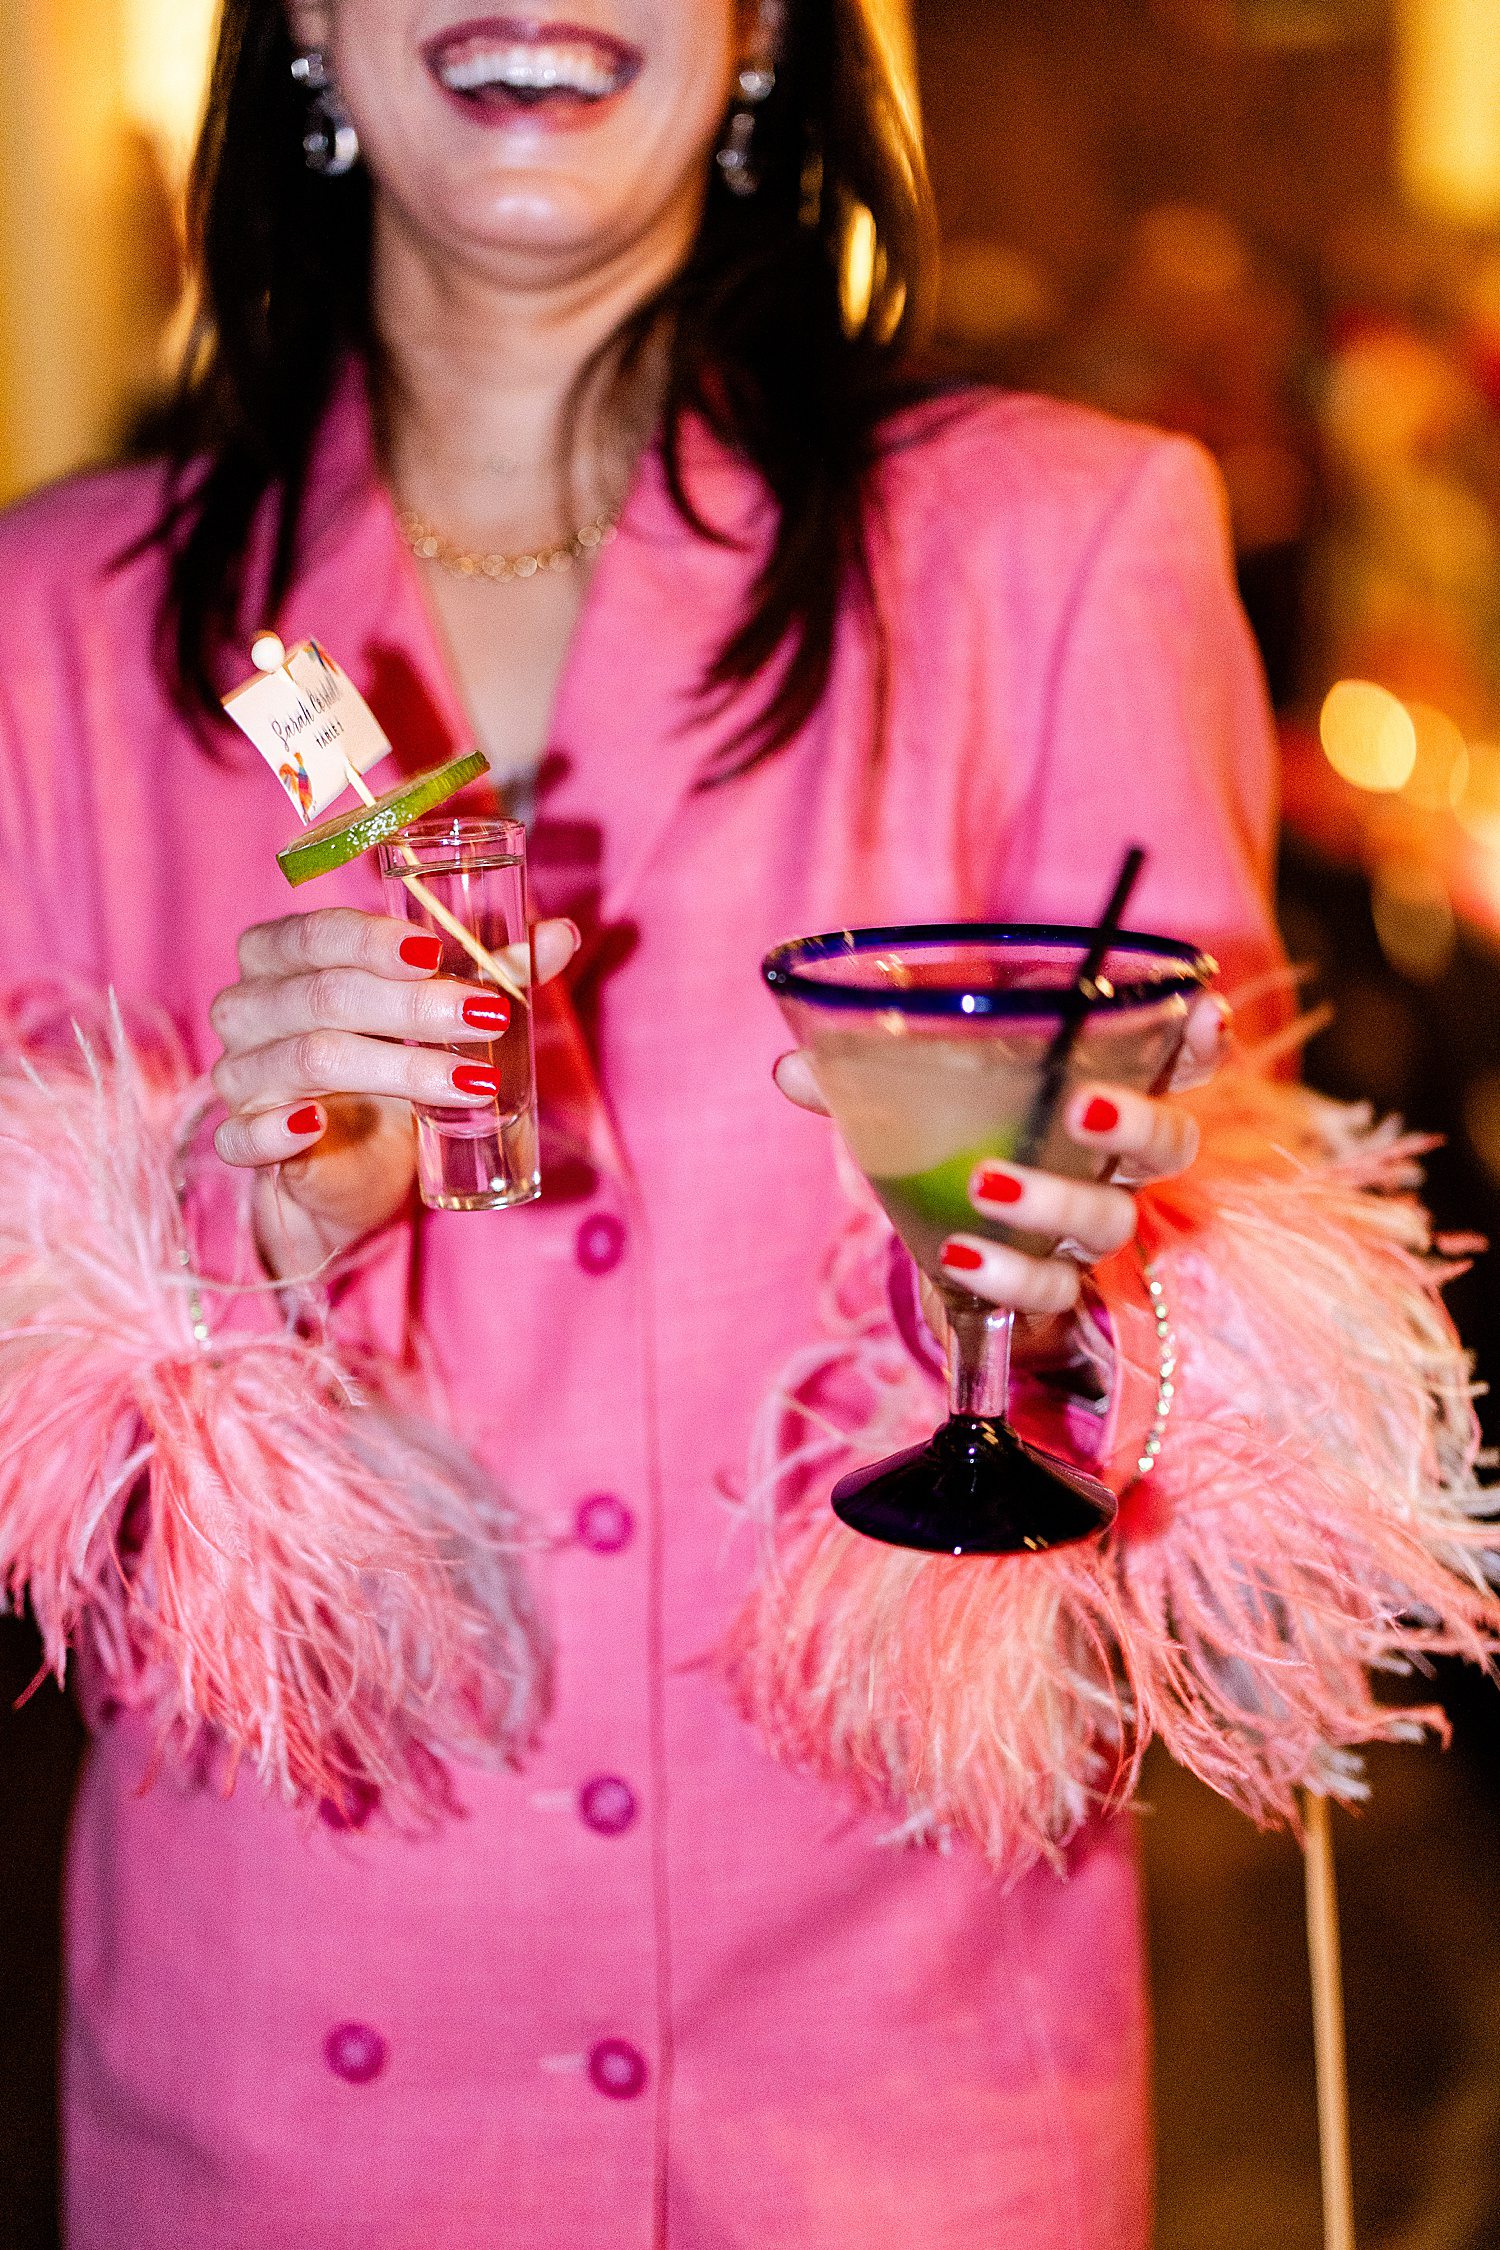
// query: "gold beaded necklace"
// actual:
[[429, 544]]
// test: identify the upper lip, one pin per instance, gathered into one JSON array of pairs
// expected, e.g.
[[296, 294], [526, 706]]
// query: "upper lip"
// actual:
[[532, 53]]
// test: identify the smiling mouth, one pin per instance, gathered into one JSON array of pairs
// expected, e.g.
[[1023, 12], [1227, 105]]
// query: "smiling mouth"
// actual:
[[505, 64]]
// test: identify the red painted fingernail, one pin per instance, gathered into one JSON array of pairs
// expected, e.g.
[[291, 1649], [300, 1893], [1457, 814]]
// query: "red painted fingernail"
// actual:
[[302, 1122], [999, 1187], [422, 952], [959, 1258], [482, 1013], [1101, 1116], [473, 1078]]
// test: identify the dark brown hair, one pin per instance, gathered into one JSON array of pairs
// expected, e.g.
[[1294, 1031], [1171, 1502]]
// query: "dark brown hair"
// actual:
[[754, 335]]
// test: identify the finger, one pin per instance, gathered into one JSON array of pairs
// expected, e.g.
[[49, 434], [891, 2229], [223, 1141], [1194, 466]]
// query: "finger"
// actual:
[[433, 1011], [547, 948], [1154, 1140], [290, 1071], [339, 937], [273, 1136], [794, 1075], [1204, 1043], [555, 944], [1008, 1277], [1100, 1220]]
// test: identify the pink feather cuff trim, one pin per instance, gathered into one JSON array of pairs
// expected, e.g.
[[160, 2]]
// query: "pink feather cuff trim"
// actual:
[[256, 1537], [1314, 1520]]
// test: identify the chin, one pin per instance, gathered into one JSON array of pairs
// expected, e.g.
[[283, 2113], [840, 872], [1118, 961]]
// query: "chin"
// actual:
[[533, 214]]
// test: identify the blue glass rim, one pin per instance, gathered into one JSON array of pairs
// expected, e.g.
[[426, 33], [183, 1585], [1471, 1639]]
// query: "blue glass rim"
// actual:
[[784, 965]]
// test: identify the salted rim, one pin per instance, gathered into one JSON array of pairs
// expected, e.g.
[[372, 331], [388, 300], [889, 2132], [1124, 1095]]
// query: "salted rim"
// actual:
[[784, 966]]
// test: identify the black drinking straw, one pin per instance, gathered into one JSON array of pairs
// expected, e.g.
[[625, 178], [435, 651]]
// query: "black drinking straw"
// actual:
[[1075, 1008]]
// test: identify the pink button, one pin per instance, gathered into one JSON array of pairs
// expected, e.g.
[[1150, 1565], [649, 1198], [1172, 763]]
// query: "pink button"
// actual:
[[607, 1805], [604, 1524], [601, 1243], [355, 2052], [618, 2070]]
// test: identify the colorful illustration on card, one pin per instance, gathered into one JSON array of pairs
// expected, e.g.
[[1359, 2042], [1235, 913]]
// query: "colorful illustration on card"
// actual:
[[297, 782], [311, 725]]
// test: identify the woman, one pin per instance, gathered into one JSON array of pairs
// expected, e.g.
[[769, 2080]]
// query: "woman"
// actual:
[[850, 658]]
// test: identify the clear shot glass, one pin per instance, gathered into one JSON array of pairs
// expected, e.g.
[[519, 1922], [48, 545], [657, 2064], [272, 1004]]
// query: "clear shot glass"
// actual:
[[485, 1157]]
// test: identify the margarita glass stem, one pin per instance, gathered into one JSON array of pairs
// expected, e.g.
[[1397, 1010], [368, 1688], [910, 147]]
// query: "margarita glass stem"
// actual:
[[979, 1340]]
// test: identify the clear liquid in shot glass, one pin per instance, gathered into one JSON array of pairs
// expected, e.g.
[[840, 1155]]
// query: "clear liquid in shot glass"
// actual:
[[485, 1157]]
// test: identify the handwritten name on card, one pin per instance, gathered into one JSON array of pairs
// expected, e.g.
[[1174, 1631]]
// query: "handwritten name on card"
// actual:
[[311, 724]]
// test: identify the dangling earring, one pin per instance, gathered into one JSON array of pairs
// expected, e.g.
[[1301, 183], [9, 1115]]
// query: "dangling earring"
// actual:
[[756, 84], [330, 143]]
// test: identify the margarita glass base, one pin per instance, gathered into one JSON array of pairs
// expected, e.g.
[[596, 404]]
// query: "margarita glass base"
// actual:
[[975, 1488]]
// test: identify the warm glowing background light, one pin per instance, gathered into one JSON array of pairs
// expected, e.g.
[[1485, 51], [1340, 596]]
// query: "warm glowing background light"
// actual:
[[99, 102], [167, 50], [1369, 736], [1449, 125]]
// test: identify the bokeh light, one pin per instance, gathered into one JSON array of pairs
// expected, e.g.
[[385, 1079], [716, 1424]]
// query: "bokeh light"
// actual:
[[860, 249], [1368, 736], [1449, 107], [1478, 808], [1440, 775], [167, 51]]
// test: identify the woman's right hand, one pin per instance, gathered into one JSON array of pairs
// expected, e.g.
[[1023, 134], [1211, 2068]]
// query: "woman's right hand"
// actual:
[[317, 1085], [1086, 1221]]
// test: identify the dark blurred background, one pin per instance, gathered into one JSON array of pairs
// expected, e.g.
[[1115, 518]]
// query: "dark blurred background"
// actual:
[[1274, 224]]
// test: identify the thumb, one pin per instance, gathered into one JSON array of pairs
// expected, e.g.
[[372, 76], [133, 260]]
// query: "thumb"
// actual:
[[794, 1075]]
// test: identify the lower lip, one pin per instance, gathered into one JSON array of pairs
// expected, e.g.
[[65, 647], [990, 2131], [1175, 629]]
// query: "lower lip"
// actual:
[[553, 113]]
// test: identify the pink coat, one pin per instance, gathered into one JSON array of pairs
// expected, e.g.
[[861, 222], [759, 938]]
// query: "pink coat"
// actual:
[[653, 1989]]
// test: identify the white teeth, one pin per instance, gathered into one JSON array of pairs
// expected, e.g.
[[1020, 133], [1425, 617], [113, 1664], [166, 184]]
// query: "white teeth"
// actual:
[[569, 67]]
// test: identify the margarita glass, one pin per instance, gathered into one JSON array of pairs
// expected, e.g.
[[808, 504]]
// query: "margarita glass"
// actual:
[[937, 1049]]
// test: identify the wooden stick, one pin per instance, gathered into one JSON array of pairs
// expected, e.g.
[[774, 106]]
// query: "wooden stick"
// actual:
[[487, 961], [1328, 2025]]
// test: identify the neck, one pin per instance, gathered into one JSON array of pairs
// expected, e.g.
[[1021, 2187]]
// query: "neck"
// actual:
[[479, 380]]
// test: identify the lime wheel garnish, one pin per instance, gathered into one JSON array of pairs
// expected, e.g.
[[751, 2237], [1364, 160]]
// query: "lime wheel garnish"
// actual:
[[348, 835]]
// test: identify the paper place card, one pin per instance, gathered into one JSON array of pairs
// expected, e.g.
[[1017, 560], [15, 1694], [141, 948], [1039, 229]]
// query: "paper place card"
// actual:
[[310, 723]]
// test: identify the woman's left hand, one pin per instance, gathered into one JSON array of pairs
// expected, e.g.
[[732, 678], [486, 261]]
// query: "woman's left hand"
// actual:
[[1082, 1222]]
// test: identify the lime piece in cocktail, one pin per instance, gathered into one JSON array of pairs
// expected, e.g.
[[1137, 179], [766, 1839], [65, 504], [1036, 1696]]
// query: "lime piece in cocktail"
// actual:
[[926, 1207]]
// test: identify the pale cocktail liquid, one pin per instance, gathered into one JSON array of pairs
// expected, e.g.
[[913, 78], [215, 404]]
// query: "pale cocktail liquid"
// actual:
[[922, 1104]]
